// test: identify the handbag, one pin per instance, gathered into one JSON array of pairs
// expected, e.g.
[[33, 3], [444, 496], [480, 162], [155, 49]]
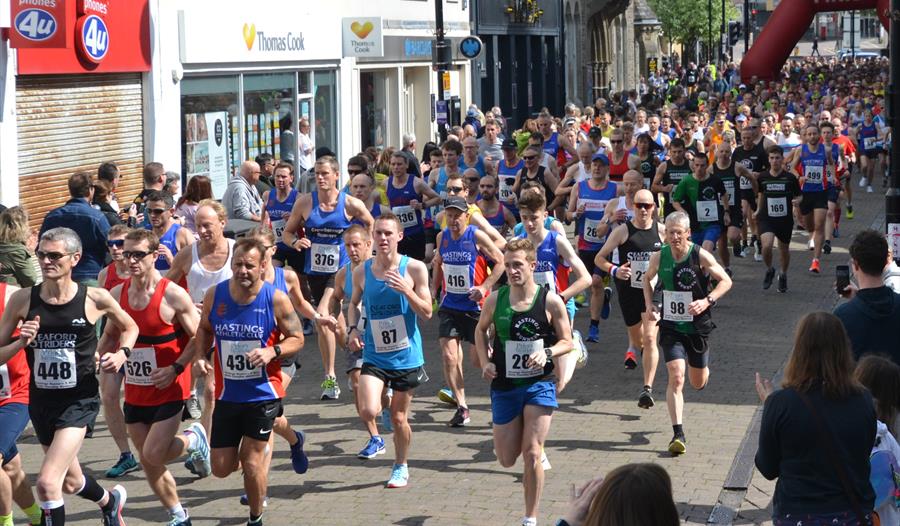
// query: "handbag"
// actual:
[[828, 442]]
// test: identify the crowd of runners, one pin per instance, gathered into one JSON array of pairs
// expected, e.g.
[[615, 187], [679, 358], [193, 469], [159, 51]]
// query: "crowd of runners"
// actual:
[[503, 238]]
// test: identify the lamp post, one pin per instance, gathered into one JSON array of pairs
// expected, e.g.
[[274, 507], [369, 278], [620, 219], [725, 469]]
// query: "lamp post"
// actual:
[[709, 44], [722, 36], [441, 52], [892, 197]]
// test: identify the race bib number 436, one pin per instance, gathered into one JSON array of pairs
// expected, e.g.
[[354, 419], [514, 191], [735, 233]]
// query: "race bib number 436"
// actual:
[[235, 363]]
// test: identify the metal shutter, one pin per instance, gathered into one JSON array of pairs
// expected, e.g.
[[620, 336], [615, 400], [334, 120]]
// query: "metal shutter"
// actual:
[[69, 123]]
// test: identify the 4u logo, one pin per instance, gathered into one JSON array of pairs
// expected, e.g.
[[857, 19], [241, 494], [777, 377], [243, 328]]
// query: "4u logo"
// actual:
[[35, 24]]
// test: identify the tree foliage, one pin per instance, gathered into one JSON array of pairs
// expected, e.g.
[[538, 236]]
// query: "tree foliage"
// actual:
[[685, 21]]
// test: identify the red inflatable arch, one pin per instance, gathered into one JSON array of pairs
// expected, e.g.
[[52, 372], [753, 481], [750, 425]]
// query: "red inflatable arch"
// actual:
[[786, 26]]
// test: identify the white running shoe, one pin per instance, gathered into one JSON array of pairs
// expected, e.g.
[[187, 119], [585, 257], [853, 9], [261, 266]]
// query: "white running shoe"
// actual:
[[863, 181]]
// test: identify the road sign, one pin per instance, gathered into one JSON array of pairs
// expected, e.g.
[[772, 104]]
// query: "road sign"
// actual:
[[441, 112], [471, 47]]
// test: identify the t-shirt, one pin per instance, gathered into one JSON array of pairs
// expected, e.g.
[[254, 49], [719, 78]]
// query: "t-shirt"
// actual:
[[702, 200], [777, 194]]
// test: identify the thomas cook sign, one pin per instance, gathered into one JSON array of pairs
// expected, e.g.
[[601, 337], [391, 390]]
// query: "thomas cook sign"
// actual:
[[362, 37]]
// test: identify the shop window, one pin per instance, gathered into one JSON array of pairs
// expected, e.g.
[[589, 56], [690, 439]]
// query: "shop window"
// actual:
[[210, 129], [375, 89], [326, 115], [268, 115]]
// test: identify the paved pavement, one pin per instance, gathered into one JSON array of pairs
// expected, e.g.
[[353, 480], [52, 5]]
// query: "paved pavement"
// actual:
[[454, 476]]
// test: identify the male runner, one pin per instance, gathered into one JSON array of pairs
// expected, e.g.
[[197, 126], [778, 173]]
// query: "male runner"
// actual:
[[731, 173], [684, 269], [813, 162], [530, 326], [670, 172], [868, 134], [60, 340], [849, 149], [493, 210], [632, 245], [244, 317], [111, 384], [453, 272], [277, 205], [778, 191], [753, 157], [393, 290], [408, 197], [703, 197], [835, 176], [362, 187], [326, 213], [156, 379], [172, 236], [507, 169]]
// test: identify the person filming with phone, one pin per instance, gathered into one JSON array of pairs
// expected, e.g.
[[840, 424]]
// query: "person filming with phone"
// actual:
[[872, 315]]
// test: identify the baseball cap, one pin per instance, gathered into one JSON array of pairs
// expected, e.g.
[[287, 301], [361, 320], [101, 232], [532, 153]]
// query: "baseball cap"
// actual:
[[789, 115], [741, 118], [600, 156], [569, 121], [456, 202], [595, 131], [510, 144]]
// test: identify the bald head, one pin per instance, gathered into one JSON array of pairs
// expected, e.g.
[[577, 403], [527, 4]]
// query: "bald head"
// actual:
[[250, 171], [633, 181], [643, 196]]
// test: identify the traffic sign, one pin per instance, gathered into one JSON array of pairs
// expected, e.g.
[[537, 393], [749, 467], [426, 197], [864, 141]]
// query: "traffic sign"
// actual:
[[471, 47]]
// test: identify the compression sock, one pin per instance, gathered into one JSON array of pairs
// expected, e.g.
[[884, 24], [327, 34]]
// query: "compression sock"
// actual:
[[678, 429], [34, 513], [90, 490], [595, 323], [54, 513], [257, 519]]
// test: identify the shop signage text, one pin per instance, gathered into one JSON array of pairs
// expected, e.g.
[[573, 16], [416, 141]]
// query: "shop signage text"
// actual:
[[38, 23], [362, 37]]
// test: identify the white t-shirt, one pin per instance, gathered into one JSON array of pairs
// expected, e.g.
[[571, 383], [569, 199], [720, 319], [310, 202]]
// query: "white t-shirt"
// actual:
[[306, 159]]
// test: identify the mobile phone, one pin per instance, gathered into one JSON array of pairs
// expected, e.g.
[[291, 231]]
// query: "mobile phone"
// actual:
[[842, 277]]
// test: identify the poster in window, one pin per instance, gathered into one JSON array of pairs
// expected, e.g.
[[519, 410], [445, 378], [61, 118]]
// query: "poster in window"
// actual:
[[206, 136]]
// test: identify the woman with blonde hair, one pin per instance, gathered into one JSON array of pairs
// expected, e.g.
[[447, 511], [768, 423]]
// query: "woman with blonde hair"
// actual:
[[17, 265]]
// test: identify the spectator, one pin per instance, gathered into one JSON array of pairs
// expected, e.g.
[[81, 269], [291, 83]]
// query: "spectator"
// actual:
[[241, 200], [307, 147], [266, 164], [154, 178], [871, 318], [16, 260], [287, 144], [409, 151], [101, 201], [489, 146], [820, 424], [198, 189], [109, 172], [172, 184], [90, 225], [623, 498]]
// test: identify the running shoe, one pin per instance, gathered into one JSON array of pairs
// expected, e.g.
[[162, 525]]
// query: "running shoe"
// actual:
[[782, 283], [193, 407], [374, 447], [757, 252], [581, 349], [126, 464], [736, 250], [386, 423], [112, 512], [678, 446], [529, 521], [607, 295], [869, 189], [179, 522], [299, 460], [770, 277], [399, 476], [745, 251], [330, 389], [188, 465], [863, 181], [593, 334], [814, 266], [199, 455], [545, 462], [812, 244], [645, 400], [257, 522], [826, 247], [246, 502], [630, 359], [460, 418], [850, 213], [836, 233], [580, 300], [446, 395]]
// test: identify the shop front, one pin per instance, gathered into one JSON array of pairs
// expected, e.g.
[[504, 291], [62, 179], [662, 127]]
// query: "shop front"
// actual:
[[78, 98]]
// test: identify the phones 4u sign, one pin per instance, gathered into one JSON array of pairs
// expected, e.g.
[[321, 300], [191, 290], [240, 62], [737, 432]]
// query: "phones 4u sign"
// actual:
[[39, 23], [91, 31]]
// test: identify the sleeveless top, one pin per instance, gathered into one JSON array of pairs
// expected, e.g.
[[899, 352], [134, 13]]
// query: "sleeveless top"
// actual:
[[549, 271], [238, 330], [375, 211], [647, 168], [868, 137], [755, 159], [279, 282], [479, 165], [498, 220], [812, 165], [617, 170], [324, 230], [61, 358], [729, 180], [279, 212], [399, 198], [392, 337], [168, 239], [588, 223], [506, 178], [458, 264], [14, 374], [637, 250], [199, 280], [112, 277], [159, 344], [551, 145], [516, 336], [673, 175], [548, 193], [683, 282]]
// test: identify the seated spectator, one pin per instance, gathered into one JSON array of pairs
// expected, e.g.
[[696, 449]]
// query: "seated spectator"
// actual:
[[820, 424], [241, 200], [16, 260], [198, 189]]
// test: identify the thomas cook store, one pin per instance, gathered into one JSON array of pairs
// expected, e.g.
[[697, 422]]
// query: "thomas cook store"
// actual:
[[247, 84]]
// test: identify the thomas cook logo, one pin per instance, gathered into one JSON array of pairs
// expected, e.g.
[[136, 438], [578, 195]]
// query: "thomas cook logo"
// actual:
[[362, 30], [249, 35]]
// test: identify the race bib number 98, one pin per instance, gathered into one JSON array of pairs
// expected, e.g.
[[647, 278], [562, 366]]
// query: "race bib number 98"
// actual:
[[675, 305]]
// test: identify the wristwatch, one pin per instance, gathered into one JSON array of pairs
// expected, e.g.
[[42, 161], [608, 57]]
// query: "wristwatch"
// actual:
[[127, 351], [549, 352], [711, 300], [178, 368], [277, 349]]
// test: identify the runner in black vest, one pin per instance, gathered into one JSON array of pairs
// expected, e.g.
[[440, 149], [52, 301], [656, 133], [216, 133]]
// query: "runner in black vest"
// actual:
[[731, 173], [754, 158], [670, 173]]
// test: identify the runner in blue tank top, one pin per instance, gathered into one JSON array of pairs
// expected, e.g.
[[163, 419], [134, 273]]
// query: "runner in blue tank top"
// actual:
[[408, 196], [470, 158], [278, 204], [507, 169], [326, 213], [160, 208], [453, 270], [812, 164], [394, 291], [868, 135]]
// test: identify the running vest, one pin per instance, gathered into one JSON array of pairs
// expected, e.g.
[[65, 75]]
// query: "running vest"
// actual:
[[868, 137], [673, 175], [14, 374], [458, 265], [324, 230], [168, 239], [158, 345], [661, 155], [637, 250], [392, 338], [479, 165], [279, 211], [647, 170], [506, 178], [683, 282], [812, 166], [199, 280], [375, 211], [755, 159], [729, 180], [112, 277], [549, 270], [399, 198], [588, 224], [279, 282], [517, 335], [498, 220], [548, 193], [617, 169], [238, 330], [61, 358], [551, 145]]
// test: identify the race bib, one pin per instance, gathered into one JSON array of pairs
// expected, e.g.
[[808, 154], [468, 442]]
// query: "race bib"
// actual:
[[675, 305], [140, 364], [54, 368], [647, 181], [869, 143], [814, 174], [325, 258], [707, 211], [235, 363], [406, 215], [389, 334], [729, 187], [638, 269], [5, 387], [777, 206], [506, 189], [457, 277], [590, 231], [278, 227], [746, 184], [545, 277], [517, 354]]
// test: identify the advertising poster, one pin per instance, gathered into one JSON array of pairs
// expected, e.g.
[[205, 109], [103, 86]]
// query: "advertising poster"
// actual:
[[207, 148]]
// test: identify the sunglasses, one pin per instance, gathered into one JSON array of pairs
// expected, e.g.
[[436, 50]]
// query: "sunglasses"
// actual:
[[156, 211], [135, 254], [116, 243], [454, 189], [616, 142], [354, 172], [530, 157], [52, 256], [473, 179], [644, 206]]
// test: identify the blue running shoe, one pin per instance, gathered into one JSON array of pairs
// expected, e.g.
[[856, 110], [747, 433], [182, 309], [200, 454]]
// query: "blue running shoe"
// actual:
[[299, 460], [246, 502], [593, 334], [399, 476], [374, 447], [126, 464]]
